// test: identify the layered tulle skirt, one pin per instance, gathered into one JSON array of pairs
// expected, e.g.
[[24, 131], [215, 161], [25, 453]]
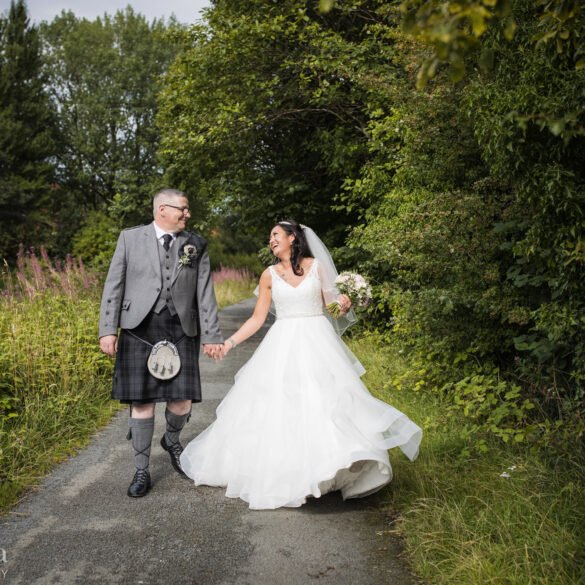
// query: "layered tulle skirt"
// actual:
[[299, 422]]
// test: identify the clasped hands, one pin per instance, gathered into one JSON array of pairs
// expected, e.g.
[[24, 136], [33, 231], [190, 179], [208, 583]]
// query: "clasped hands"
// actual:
[[216, 351]]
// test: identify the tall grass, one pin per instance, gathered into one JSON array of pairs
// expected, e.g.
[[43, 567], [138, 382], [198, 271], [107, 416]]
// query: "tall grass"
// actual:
[[232, 285], [511, 516], [54, 381]]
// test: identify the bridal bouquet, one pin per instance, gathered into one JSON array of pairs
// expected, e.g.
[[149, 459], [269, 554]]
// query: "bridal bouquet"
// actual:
[[356, 287]]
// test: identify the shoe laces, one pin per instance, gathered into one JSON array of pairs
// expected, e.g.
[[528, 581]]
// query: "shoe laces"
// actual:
[[175, 448], [141, 475]]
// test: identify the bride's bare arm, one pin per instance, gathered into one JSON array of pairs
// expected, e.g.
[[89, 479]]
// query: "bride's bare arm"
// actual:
[[258, 316]]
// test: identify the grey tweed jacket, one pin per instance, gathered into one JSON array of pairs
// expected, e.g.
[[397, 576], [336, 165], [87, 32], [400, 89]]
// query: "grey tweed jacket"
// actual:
[[134, 283]]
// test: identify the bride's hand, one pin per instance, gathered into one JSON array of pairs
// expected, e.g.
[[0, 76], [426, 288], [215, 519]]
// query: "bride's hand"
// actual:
[[227, 346], [344, 303]]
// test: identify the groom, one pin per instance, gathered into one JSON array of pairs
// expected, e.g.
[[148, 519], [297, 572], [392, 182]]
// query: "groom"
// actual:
[[159, 288]]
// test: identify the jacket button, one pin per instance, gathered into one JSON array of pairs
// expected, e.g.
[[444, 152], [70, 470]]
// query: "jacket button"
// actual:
[[206, 331], [109, 300], [158, 290]]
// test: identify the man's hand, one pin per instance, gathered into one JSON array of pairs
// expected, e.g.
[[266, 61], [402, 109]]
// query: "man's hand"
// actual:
[[109, 344], [213, 350]]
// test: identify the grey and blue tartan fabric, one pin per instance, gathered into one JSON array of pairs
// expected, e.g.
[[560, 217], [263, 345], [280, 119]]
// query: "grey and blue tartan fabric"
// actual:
[[132, 381]]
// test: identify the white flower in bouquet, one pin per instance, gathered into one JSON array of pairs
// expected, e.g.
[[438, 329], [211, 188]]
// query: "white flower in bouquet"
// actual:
[[356, 287]]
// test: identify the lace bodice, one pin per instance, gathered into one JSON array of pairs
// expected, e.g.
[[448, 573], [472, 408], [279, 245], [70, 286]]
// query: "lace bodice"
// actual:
[[304, 300]]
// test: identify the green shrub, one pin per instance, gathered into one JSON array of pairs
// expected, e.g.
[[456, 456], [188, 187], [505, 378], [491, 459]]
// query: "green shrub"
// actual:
[[96, 241], [475, 231]]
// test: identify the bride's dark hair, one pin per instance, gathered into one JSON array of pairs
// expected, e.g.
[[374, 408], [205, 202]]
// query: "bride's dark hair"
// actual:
[[300, 248]]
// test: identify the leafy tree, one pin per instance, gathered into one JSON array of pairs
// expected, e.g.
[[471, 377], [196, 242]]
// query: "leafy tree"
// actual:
[[104, 76], [480, 221], [28, 201], [529, 122], [467, 194], [264, 112], [456, 29]]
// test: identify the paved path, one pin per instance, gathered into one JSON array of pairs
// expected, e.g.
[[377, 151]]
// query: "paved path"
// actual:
[[79, 527]]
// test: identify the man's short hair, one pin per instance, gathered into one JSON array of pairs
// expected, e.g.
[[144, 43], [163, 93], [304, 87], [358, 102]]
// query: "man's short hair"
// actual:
[[162, 195]]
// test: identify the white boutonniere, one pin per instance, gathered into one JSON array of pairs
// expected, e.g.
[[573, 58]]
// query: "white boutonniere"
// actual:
[[187, 255]]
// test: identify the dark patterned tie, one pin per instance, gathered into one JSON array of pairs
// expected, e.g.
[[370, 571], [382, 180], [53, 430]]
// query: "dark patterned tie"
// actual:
[[167, 241]]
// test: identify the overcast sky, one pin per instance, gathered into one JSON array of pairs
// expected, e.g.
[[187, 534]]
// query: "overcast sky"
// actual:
[[185, 10]]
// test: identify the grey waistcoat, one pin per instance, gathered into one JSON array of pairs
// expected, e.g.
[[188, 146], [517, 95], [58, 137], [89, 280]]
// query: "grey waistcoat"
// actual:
[[166, 269]]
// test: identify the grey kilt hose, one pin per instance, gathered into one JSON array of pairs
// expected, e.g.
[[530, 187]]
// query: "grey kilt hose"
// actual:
[[133, 383]]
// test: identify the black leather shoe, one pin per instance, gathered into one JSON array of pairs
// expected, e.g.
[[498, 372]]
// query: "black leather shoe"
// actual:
[[140, 485], [174, 451]]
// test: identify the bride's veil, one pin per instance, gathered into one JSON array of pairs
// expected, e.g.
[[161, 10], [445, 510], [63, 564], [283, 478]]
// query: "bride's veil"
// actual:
[[328, 273]]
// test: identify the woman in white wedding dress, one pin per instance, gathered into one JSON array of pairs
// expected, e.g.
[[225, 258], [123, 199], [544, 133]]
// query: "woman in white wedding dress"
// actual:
[[298, 421]]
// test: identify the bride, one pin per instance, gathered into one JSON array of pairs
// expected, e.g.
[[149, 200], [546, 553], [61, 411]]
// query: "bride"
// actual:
[[298, 421]]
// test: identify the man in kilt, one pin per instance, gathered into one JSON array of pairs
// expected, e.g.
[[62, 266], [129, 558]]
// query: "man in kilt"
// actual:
[[158, 288]]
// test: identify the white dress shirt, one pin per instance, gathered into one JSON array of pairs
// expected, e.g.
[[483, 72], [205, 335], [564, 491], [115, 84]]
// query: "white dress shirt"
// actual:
[[160, 233]]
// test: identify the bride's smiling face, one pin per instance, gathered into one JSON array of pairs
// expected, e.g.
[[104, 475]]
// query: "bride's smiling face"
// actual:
[[280, 242]]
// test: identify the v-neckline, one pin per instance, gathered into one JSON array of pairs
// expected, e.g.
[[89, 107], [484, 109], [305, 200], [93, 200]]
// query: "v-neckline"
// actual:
[[300, 283]]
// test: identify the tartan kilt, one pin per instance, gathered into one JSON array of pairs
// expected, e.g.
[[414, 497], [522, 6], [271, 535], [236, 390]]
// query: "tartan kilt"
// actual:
[[133, 383]]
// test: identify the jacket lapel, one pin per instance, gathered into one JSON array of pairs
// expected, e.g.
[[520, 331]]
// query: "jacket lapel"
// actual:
[[177, 245], [151, 247]]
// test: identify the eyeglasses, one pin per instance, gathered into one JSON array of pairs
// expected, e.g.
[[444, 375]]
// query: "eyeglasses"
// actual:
[[181, 209]]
